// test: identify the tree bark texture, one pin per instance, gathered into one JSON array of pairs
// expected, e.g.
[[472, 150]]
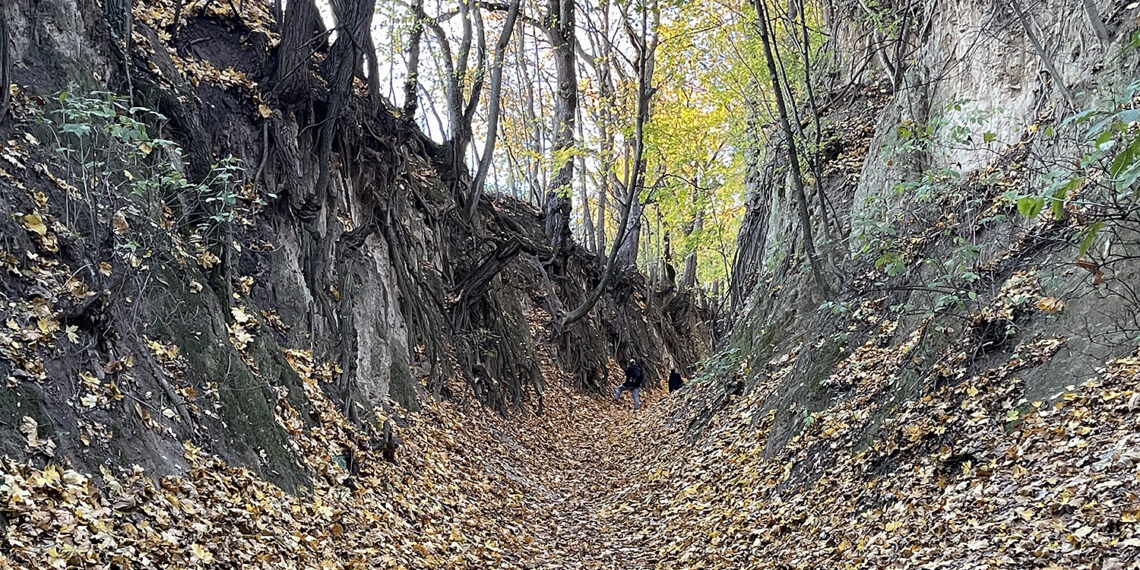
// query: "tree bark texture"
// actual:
[[411, 95], [556, 210], [5, 67], [297, 37]]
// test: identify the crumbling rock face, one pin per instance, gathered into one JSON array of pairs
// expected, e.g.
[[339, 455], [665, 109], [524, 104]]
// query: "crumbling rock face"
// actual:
[[933, 148]]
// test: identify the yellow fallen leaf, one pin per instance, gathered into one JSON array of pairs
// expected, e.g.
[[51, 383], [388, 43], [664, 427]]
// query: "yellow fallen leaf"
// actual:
[[119, 224], [207, 259], [1050, 304], [30, 428], [201, 553], [35, 224]]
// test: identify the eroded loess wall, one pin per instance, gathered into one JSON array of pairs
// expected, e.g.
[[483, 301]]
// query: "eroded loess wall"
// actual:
[[932, 156], [141, 322]]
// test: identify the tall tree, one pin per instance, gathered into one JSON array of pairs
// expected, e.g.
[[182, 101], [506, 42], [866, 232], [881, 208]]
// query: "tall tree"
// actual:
[[493, 106], [634, 181], [645, 43], [587, 215], [560, 28], [604, 112], [790, 141]]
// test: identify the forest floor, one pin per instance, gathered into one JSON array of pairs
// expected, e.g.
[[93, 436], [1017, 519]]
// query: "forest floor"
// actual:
[[967, 476], [467, 489]]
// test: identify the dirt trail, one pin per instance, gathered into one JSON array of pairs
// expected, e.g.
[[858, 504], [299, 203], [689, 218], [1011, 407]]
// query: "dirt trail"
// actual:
[[581, 459], [584, 467]]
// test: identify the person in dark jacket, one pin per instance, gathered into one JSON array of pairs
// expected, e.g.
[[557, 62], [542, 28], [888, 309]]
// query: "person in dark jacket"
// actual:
[[633, 380], [675, 382]]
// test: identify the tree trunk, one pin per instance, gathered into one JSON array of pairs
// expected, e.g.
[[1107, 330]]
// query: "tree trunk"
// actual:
[[689, 273], [605, 120], [493, 105], [375, 97], [5, 67], [297, 35], [627, 257], [354, 19], [587, 213], [817, 143], [603, 203], [556, 210], [1095, 21], [119, 18], [789, 139], [411, 95]]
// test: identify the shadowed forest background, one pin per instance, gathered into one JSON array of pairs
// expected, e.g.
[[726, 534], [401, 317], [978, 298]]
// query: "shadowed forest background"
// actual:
[[350, 284]]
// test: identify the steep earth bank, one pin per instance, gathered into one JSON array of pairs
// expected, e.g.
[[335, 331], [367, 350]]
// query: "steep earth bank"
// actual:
[[966, 397], [169, 245]]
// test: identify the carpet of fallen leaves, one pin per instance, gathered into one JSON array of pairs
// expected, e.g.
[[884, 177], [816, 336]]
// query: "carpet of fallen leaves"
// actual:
[[967, 475], [964, 476], [467, 489]]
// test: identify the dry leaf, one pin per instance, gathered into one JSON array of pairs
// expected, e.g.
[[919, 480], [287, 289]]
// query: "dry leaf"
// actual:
[[35, 224], [119, 224], [30, 429]]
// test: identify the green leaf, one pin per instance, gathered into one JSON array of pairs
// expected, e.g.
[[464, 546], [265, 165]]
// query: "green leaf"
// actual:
[[989, 137], [1030, 206], [1089, 235], [1125, 159], [1058, 202], [1105, 141]]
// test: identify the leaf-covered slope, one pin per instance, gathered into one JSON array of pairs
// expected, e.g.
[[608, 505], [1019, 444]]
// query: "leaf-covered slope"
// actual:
[[466, 489], [966, 475]]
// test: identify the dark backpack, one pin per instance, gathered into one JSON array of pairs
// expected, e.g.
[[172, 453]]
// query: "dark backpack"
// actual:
[[633, 376]]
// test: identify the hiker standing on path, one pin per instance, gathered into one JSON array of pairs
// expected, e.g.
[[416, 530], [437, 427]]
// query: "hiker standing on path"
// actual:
[[633, 379], [675, 382]]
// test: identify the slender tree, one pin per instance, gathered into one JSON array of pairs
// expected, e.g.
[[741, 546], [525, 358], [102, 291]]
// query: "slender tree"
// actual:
[[411, 83], [493, 106], [644, 96], [645, 43], [560, 29], [583, 188], [790, 142]]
